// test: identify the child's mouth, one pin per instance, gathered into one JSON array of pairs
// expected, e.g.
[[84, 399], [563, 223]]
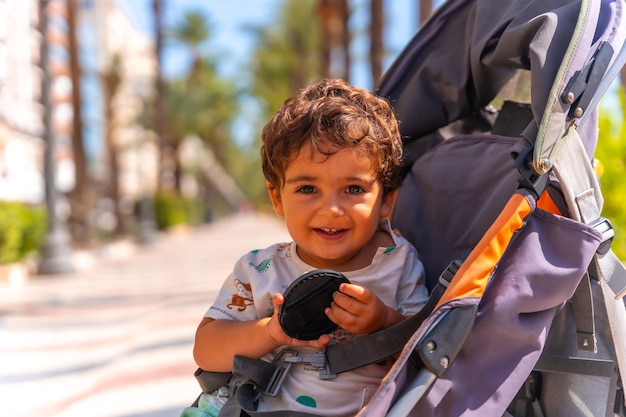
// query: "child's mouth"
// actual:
[[330, 232]]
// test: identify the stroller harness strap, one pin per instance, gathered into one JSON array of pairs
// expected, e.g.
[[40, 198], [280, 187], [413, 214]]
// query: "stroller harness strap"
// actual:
[[255, 377], [584, 199], [251, 377], [583, 196], [583, 311], [380, 345]]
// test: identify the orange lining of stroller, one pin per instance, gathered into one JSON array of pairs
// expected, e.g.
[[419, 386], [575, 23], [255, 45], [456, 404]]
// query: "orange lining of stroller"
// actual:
[[546, 203], [473, 276]]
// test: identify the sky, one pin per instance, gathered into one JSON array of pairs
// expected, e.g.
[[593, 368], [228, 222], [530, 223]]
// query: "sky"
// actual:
[[233, 43]]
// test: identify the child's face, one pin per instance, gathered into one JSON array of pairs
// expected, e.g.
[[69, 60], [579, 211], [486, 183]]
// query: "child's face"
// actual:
[[331, 205]]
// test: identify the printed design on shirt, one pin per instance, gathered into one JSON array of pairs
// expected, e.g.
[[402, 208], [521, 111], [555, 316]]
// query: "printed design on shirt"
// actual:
[[242, 298], [307, 401], [341, 335], [262, 267], [389, 249], [285, 248]]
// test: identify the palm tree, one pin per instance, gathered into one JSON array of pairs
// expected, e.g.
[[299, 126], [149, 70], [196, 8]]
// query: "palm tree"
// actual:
[[425, 9], [334, 16], [160, 115], [205, 109], [192, 32], [185, 101], [377, 47], [201, 103], [111, 82], [346, 39], [81, 198], [287, 57]]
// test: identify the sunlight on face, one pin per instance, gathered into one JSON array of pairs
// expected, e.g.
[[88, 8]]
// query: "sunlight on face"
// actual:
[[332, 206]]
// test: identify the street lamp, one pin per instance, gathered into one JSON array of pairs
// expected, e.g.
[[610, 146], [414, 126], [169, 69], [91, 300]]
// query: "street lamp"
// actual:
[[56, 252]]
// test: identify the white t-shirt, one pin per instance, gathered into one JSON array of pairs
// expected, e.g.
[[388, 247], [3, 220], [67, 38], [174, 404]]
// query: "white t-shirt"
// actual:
[[395, 275]]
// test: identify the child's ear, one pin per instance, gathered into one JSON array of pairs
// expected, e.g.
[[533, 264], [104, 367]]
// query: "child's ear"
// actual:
[[277, 202], [389, 201]]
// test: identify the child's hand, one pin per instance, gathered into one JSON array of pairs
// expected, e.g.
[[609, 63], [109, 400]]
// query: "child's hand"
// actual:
[[280, 337], [357, 309]]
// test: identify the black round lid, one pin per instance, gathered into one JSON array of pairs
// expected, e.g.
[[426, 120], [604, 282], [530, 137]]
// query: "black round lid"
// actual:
[[302, 314]]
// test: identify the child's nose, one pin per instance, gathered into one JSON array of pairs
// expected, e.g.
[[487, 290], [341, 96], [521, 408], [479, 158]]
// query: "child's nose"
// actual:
[[331, 204]]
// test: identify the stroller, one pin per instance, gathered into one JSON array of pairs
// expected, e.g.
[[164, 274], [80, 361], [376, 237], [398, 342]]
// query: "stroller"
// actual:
[[504, 208], [526, 317]]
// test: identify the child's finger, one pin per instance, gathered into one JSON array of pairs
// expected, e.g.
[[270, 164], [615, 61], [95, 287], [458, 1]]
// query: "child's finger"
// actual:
[[353, 289], [343, 318], [347, 302], [277, 300], [356, 291]]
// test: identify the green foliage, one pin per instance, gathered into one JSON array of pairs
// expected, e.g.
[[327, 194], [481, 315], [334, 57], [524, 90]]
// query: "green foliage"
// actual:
[[171, 209], [22, 228], [611, 153], [192, 30], [200, 104], [209, 105], [287, 55]]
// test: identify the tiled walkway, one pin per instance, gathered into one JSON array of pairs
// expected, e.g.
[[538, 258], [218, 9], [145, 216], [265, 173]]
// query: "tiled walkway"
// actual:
[[115, 339]]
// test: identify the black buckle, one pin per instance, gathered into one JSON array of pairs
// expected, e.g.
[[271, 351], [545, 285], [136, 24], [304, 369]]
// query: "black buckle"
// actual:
[[604, 226], [448, 274], [529, 179]]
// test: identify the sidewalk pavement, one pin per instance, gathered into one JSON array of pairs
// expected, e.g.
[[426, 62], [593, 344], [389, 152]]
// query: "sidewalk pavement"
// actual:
[[115, 338]]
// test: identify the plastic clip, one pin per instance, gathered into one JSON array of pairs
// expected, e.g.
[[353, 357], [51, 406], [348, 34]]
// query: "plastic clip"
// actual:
[[446, 276], [317, 360], [604, 226], [282, 363], [529, 179]]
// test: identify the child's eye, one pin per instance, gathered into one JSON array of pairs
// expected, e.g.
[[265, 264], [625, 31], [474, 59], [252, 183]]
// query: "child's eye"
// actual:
[[306, 189], [354, 189]]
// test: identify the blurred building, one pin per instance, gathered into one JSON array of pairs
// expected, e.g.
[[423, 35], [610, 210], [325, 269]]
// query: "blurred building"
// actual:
[[134, 50], [105, 35], [20, 112]]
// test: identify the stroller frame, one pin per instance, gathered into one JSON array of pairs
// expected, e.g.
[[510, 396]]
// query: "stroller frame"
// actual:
[[571, 67]]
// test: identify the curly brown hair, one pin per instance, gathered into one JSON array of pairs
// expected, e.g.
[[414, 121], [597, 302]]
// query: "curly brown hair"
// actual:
[[331, 115]]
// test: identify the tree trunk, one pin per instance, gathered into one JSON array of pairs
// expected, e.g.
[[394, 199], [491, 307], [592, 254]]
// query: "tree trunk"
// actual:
[[425, 9], [111, 83], [346, 39], [165, 167], [334, 16], [81, 197], [377, 49], [324, 12]]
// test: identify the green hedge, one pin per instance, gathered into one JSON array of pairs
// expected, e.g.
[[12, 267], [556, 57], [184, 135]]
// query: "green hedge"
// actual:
[[22, 229], [171, 209]]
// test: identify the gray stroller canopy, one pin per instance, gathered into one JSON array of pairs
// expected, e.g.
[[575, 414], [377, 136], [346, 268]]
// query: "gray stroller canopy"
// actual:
[[470, 49]]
